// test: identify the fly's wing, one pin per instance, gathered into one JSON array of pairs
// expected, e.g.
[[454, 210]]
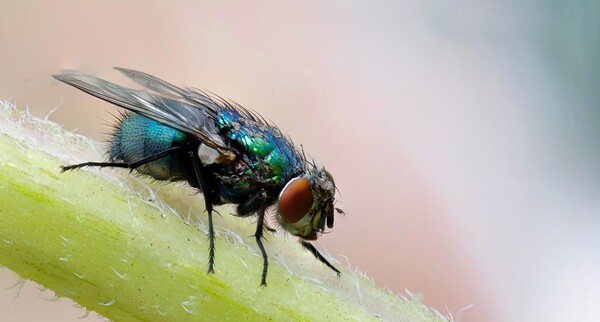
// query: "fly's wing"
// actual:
[[173, 107], [153, 83]]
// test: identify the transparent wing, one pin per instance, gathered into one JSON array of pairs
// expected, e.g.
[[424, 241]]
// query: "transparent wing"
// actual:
[[195, 98], [187, 111]]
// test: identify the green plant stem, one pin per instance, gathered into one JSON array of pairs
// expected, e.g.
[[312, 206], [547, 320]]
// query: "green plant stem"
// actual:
[[116, 248]]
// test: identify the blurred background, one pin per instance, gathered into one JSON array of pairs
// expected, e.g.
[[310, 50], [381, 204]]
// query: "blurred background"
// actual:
[[463, 135]]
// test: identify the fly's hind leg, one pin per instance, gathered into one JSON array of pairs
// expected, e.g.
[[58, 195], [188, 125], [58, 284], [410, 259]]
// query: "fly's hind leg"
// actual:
[[128, 165]]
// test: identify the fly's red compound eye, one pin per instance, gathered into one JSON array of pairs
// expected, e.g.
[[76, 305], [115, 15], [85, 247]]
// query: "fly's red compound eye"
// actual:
[[295, 200]]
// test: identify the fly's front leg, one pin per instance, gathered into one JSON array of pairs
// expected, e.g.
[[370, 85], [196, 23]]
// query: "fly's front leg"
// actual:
[[209, 209], [308, 246]]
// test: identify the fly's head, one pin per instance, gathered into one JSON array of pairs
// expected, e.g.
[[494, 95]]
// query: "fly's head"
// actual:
[[305, 204]]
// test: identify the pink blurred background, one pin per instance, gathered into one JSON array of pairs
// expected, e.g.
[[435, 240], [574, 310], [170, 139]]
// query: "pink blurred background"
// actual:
[[463, 136]]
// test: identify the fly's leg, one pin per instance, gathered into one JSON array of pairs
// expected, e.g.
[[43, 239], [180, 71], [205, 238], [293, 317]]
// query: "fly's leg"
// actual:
[[260, 224], [209, 209], [131, 165], [318, 255], [257, 204]]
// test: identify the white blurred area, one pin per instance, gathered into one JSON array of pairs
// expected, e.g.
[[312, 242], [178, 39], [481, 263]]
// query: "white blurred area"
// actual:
[[462, 135]]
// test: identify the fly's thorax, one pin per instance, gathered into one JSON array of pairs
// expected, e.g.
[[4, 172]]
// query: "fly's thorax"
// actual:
[[305, 204]]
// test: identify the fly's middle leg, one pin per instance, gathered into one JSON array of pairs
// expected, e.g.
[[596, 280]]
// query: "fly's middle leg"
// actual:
[[209, 208]]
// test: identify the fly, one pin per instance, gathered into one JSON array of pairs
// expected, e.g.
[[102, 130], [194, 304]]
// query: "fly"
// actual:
[[230, 154]]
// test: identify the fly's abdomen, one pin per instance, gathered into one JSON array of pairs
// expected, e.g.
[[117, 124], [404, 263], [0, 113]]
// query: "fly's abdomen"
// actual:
[[138, 137]]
